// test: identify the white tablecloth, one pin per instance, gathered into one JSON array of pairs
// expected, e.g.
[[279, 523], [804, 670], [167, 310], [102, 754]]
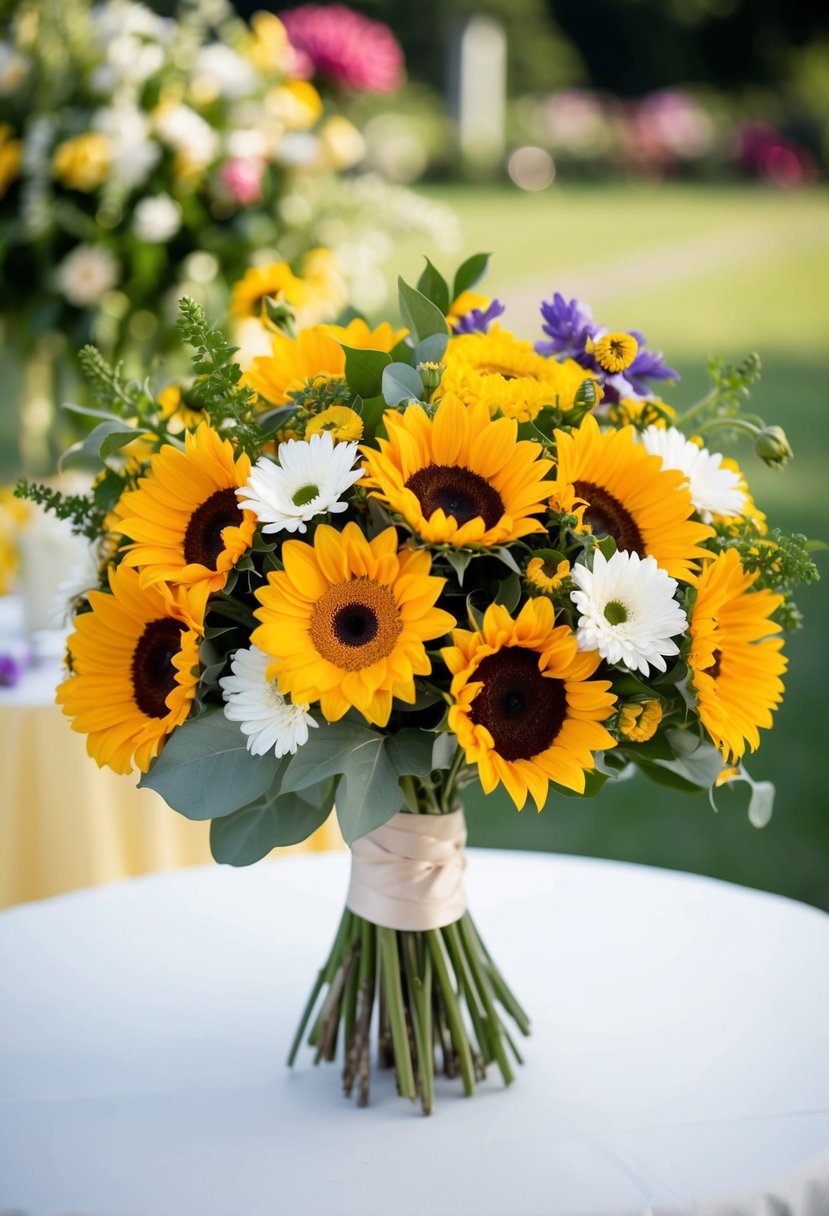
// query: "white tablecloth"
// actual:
[[680, 1052]]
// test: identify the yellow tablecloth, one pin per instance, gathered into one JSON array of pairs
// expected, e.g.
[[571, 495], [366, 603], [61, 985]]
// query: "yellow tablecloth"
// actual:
[[65, 823]]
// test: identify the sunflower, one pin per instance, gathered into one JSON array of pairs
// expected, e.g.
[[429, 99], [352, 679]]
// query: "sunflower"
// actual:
[[645, 508], [315, 294], [459, 478], [294, 363], [735, 663], [526, 711], [343, 424], [135, 661], [184, 518], [346, 621], [507, 375], [180, 408], [360, 336]]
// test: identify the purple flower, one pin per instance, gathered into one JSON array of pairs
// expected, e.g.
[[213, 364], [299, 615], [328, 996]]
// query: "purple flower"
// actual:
[[648, 365], [10, 671], [477, 320], [569, 323]]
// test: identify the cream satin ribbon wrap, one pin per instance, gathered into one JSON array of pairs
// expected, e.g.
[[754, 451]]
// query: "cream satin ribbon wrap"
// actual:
[[408, 874]]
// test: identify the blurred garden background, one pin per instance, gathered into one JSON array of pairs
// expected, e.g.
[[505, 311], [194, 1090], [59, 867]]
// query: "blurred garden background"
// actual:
[[663, 162]]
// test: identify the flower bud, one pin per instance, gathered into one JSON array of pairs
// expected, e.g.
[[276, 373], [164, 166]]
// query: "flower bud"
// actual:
[[430, 374], [772, 446]]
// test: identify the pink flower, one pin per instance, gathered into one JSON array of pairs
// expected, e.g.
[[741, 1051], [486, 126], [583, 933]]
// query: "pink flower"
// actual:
[[351, 50], [242, 178]]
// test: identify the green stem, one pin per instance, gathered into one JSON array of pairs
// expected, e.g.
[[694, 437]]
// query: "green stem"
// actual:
[[453, 1012], [390, 971], [501, 988], [451, 780], [485, 992], [729, 424], [419, 986], [330, 970], [699, 407], [464, 976]]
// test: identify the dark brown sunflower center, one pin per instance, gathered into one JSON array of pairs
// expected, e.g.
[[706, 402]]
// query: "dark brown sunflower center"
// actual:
[[607, 517], [355, 624], [203, 539], [714, 670], [456, 491], [522, 709], [153, 673]]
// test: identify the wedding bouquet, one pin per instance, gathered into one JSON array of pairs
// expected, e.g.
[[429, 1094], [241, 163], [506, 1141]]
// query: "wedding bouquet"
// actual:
[[384, 562]]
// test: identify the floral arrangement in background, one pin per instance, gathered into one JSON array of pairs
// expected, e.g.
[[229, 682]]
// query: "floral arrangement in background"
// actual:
[[344, 49], [385, 561]]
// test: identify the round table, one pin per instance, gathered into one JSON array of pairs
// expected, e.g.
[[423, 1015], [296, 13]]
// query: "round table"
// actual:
[[680, 1052]]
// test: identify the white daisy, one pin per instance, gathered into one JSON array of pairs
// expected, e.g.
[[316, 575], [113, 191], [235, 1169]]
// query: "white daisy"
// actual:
[[309, 479], [86, 274], [156, 219], [270, 721], [628, 610], [714, 490]]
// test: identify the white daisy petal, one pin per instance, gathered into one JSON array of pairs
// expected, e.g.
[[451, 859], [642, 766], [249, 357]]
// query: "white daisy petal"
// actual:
[[714, 490], [627, 610], [269, 720], [309, 480]]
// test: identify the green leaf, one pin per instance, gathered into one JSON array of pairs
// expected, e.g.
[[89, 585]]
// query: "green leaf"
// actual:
[[410, 751], [508, 592], [89, 412], [369, 793], [206, 771], [364, 370], [594, 779], [324, 755], [371, 412], [469, 273], [459, 559], [401, 383], [431, 349], [504, 555], [697, 762], [443, 750], [89, 447], [433, 285], [420, 315], [250, 833], [273, 419], [116, 440]]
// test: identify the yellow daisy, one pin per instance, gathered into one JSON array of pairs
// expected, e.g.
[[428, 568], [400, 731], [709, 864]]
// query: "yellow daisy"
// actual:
[[507, 375], [645, 508], [545, 575], [526, 711], [344, 423], [638, 720], [134, 661], [360, 336], [295, 362], [184, 517], [735, 662], [614, 352], [346, 621], [458, 478]]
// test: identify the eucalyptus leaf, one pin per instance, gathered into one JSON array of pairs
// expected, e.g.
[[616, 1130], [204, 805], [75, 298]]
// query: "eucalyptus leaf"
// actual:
[[369, 792], [401, 383], [431, 349], [504, 555], [206, 771], [326, 752], [116, 440], [695, 761], [459, 560], [89, 411], [364, 370], [508, 592], [250, 833], [89, 447], [469, 273], [443, 750], [420, 315]]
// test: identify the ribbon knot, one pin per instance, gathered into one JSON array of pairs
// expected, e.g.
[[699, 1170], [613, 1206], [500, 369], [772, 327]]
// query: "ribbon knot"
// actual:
[[408, 874]]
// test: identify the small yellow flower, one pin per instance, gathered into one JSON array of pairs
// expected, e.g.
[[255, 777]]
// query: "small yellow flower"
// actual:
[[614, 352], [360, 336], [545, 575], [296, 104], [344, 424], [638, 720], [82, 163], [341, 144], [179, 408], [11, 156], [650, 412], [564, 501], [268, 49]]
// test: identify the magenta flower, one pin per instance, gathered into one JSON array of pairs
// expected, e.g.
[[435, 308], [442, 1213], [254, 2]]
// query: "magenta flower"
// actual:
[[242, 178], [349, 49]]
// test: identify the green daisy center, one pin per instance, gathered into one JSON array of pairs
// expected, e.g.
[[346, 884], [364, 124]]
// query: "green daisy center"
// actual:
[[615, 613], [304, 495]]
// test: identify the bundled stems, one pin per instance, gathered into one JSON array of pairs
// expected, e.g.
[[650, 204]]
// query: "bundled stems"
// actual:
[[439, 1000]]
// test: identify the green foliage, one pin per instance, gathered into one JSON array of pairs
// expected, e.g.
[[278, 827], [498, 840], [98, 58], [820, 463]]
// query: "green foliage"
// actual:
[[401, 384], [85, 516], [206, 771], [469, 273], [272, 821], [218, 389], [420, 315], [364, 370]]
